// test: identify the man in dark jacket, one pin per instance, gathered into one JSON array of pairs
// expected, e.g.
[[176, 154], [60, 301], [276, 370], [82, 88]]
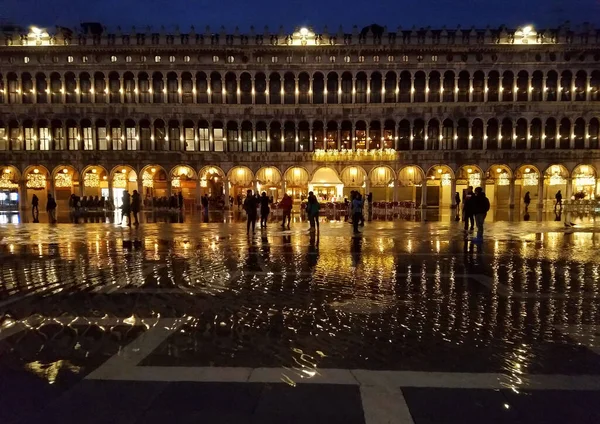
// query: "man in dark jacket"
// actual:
[[135, 206], [467, 208], [480, 206]]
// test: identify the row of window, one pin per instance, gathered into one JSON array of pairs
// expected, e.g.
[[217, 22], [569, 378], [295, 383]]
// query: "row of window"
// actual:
[[305, 59], [289, 137]]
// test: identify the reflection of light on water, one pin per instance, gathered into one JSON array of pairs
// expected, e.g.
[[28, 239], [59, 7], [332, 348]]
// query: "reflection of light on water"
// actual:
[[50, 371]]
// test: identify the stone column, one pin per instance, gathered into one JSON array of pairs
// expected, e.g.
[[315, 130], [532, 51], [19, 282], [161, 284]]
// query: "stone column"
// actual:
[[253, 90], [586, 140], [194, 90], [453, 193], [424, 193], [179, 89], [310, 90], [396, 188], [296, 90], [339, 138], [485, 89], [151, 90], [544, 88], [199, 196], [310, 137], [77, 91], [530, 88], [456, 89], [572, 136], [511, 193], [588, 88], [339, 91], [353, 136], [121, 90], [238, 91], [353, 89], [541, 191], [208, 89], [23, 201], [136, 91], [557, 135], [169, 187], [470, 142], [514, 136], [471, 89], [412, 89], [63, 90], [529, 136], [569, 187], [369, 89], [426, 89]]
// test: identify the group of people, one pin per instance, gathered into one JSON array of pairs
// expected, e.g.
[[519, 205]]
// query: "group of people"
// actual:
[[50, 208], [77, 203], [130, 204], [357, 205], [474, 210]]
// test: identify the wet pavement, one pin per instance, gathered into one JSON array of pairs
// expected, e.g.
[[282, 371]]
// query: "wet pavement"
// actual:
[[409, 322]]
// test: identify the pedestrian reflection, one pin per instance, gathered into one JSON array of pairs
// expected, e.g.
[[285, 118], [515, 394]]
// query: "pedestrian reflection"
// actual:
[[356, 250], [558, 215], [312, 256]]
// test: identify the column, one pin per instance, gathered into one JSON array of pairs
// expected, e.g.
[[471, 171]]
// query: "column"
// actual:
[[569, 188], [284, 186], [63, 91], [169, 187], [453, 193], [151, 83], [226, 192], [353, 89], [339, 138], [410, 137], [140, 190], [511, 193], [136, 91], [199, 195], [455, 89], [369, 89], [572, 134], [529, 136], [396, 188], [586, 140], [80, 185], [588, 88], [426, 88], [530, 88], [353, 136], [92, 90], [51, 187], [412, 89], [310, 137], [485, 89], [310, 90], [471, 89], [253, 90], [296, 140], [514, 136], [424, 193], [77, 92], [557, 135], [339, 93], [296, 90], [209, 91], [238, 92], [544, 88], [470, 142], [121, 90], [540, 191], [23, 200], [179, 89], [194, 91]]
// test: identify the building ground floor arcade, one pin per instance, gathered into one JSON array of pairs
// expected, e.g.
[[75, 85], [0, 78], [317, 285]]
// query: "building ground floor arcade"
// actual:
[[427, 182]]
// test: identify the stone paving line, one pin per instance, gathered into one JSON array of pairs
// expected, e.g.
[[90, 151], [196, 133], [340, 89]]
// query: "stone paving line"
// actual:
[[381, 391]]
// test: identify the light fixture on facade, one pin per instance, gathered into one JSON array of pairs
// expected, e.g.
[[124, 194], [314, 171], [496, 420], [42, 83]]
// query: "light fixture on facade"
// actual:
[[63, 181]]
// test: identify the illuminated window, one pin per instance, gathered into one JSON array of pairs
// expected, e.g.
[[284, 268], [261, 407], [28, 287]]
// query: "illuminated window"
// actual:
[[332, 59], [70, 59], [127, 59], [274, 59], [230, 59], [288, 59], [318, 59], [361, 59], [143, 58], [405, 58], [215, 59], [375, 58], [113, 58], [390, 58], [259, 59], [157, 59], [55, 59], [84, 59], [347, 59], [171, 59], [26, 59], [186, 59], [434, 58]]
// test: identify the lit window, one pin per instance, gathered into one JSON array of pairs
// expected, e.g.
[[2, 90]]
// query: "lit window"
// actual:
[[318, 59], [288, 59], [186, 59], [26, 59], [259, 59], [332, 59], [215, 59], [84, 59], [361, 59], [55, 59], [127, 59], [113, 58], [419, 58], [157, 59], [171, 59], [434, 58], [70, 59], [405, 58], [375, 58], [143, 58], [230, 59], [303, 59], [347, 59], [274, 59], [390, 58]]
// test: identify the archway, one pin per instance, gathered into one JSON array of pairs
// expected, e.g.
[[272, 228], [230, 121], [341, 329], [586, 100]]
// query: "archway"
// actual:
[[439, 186], [584, 182], [354, 178], [241, 179], [155, 184], [556, 179], [37, 179], [95, 182], [527, 180], [211, 181], [66, 182], [123, 178], [381, 183], [9, 188], [269, 180], [296, 181], [469, 175], [497, 185], [410, 182], [185, 182], [327, 186]]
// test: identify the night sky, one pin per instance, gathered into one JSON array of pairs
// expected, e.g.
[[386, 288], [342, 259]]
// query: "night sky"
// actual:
[[292, 13]]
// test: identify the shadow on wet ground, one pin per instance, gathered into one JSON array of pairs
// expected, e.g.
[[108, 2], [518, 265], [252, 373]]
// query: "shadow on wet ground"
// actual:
[[197, 321]]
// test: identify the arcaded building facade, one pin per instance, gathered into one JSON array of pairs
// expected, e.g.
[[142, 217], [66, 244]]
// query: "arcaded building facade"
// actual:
[[409, 115]]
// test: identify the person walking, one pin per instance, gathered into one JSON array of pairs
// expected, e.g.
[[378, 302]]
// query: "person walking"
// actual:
[[457, 202], [126, 208], [357, 208], [264, 209], [136, 202], [480, 208], [205, 203], [467, 209], [558, 198], [369, 207], [527, 201], [180, 200], [51, 209], [312, 209], [286, 206], [250, 208], [35, 211]]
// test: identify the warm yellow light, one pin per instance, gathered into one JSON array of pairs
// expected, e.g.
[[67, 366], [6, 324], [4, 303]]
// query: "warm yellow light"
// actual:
[[36, 30], [527, 169], [498, 170], [153, 169], [7, 171], [469, 170], [104, 178], [304, 31], [527, 29], [240, 172], [65, 170], [584, 169], [353, 171], [123, 170], [439, 171], [93, 171], [36, 171]]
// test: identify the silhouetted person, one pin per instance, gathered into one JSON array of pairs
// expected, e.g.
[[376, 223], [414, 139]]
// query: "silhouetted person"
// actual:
[[468, 209], [286, 206], [126, 208], [558, 198], [35, 211], [527, 201], [264, 209], [357, 207], [312, 209], [480, 207], [180, 200], [250, 208], [136, 202], [51, 209]]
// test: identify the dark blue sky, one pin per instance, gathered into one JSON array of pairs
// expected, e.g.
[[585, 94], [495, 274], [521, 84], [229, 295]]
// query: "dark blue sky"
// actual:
[[291, 13]]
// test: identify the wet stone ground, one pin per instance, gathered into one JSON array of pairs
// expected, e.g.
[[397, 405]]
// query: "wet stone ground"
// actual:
[[409, 322]]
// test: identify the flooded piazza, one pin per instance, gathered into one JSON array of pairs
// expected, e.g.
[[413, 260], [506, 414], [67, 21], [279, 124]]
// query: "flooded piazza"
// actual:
[[410, 312]]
